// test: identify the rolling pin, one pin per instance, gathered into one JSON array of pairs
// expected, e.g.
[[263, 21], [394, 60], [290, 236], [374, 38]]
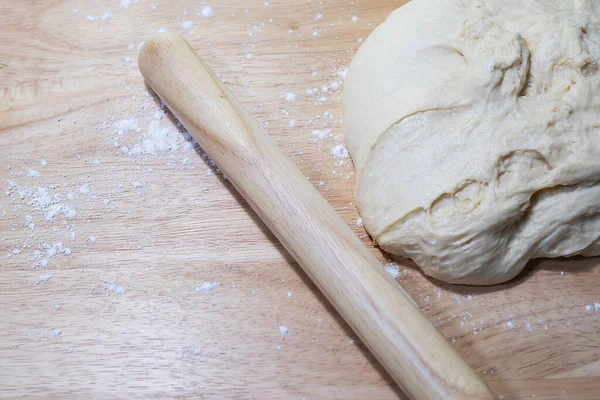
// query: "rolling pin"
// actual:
[[386, 319]]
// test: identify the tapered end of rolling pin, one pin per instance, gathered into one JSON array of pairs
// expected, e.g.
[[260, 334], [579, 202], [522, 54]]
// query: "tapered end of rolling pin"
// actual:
[[415, 354]]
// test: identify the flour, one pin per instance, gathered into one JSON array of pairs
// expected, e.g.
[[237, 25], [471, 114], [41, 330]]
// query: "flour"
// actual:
[[125, 4], [45, 277], [321, 133], [114, 288], [207, 12], [283, 330], [290, 97], [187, 25], [107, 16], [340, 151], [341, 73], [51, 252], [155, 138], [393, 270], [206, 287], [42, 198]]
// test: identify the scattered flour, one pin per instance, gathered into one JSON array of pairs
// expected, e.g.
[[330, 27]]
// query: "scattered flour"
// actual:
[[290, 97], [340, 151], [156, 138], [321, 133], [206, 287], [207, 12], [341, 73], [393, 270], [114, 288], [283, 331], [187, 25], [45, 199], [107, 16]]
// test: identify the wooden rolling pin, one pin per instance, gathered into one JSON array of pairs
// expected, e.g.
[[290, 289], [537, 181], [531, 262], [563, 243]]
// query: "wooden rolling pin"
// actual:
[[410, 348]]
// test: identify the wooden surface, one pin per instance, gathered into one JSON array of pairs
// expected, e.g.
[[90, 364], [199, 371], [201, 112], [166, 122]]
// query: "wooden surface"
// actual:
[[120, 316]]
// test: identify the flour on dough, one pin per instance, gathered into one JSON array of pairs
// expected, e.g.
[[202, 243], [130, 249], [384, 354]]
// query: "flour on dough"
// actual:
[[474, 127]]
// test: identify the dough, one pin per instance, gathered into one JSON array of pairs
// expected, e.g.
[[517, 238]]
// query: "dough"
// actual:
[[474, 127]]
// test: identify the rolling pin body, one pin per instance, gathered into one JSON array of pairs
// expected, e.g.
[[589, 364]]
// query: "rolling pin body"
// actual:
[[411, 349]]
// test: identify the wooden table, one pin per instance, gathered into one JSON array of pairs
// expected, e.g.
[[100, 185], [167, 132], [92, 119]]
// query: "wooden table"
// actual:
[[164, 282]]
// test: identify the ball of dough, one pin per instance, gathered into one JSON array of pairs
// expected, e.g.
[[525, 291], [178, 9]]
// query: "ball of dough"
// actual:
[[474, 127]]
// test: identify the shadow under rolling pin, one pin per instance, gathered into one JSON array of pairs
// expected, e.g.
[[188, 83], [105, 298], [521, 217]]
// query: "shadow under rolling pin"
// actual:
[[410, 348]]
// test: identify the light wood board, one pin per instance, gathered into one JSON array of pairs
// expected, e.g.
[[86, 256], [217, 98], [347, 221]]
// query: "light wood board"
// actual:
[[120, 316]]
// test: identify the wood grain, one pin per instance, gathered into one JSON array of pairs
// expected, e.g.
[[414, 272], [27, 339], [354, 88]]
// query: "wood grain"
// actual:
[[160, 240]]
